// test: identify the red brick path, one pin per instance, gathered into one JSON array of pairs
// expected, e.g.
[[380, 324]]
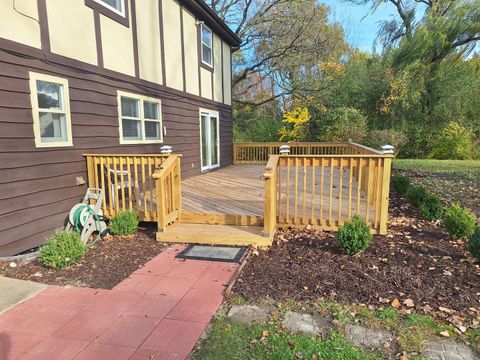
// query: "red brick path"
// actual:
[[159, 312]]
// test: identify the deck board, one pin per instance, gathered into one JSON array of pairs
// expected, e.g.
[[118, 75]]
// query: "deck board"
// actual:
[[239, 190]]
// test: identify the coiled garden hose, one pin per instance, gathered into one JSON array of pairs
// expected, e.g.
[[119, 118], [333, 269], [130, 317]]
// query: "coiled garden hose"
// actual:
[[80, 216]]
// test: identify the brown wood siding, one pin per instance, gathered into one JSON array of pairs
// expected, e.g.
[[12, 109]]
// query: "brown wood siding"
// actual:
[[37, 186]]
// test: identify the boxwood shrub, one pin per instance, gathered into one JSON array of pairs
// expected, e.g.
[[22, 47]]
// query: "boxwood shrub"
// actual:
[[431, 208], [459, 222], [354, 236], [62, 249], [415, 195], [474, 243], [400, 184], [124, 223]]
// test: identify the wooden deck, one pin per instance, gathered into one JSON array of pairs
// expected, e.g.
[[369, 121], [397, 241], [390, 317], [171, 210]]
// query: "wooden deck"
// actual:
[[235, 195]]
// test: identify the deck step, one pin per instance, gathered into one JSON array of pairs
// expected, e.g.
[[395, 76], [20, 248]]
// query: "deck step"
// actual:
[[215, 235]]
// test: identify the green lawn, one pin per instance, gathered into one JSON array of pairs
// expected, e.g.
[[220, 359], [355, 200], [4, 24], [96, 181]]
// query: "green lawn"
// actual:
[[453, 180], [235, 341]]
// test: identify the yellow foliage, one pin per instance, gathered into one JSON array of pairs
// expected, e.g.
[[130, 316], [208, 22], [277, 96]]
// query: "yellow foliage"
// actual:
[[295, 120]]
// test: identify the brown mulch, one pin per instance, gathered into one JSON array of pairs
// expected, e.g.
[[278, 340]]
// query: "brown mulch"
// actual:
[[416, 261], [106, 264]]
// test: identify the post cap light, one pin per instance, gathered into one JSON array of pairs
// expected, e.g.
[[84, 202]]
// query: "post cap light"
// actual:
[[166, 149], [388, 149], [284, 150]]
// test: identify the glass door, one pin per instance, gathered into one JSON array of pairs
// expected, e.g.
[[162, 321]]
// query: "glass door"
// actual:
[[209, 140]]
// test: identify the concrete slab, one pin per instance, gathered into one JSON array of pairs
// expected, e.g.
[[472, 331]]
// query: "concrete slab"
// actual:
[[13, 291]]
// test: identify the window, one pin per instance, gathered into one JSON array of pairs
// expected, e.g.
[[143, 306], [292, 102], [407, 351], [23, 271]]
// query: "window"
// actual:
[[140, 119], [117, 6], [207, 47], [52, 124]]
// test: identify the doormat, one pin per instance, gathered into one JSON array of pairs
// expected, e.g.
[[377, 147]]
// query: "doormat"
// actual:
[[213, 253]]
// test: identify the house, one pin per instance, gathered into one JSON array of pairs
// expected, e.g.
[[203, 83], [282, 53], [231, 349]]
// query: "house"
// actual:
[[103, 76]]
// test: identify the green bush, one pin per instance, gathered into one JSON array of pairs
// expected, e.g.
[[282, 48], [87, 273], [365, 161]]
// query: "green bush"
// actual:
[[354, 236], [455, 142], [459, 222], [431, 208], [400, 184], [474, 244], [416, 195], [62, 249], [341, 124], [124, 223]]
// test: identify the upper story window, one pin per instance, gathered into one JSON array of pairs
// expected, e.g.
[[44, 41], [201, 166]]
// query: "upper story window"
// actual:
[[139, 119], [117, 6], [207, 46], [52, 123]]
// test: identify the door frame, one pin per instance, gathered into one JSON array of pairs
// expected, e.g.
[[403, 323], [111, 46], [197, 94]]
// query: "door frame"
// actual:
[[216, 114]]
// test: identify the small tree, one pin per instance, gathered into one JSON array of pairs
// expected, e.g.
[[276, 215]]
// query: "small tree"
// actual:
[[455, 142], [295, 124]]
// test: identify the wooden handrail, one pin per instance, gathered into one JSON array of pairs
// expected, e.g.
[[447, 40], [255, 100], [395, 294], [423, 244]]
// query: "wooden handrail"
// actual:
[[168, 190]]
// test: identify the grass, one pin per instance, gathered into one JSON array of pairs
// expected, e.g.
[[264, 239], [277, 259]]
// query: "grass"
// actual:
[[452, 180], [469, 169], [269, 341]]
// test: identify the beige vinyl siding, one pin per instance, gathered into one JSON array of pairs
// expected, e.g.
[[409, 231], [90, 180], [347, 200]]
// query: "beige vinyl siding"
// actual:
[[173, 48], [206, 79], [217, 65], [149, 42], [117, 45], [190, 38], [72, 30], [17, 27], [227, 74]]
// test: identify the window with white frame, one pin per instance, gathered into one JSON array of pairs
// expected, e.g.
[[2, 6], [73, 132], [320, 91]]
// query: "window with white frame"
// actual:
[[117, 6], [52, 125], [207, 46], [140, 119]]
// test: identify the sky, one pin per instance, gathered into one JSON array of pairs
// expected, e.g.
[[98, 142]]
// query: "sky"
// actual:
[[358, 21]]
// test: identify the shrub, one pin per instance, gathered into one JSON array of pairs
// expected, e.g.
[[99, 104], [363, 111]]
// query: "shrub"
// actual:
[[62, 249], [415, 195], [431, 208], [459, 222], [354, 236], [474, 244], [400, 184], [341, 124], [124, 223], [455, 142]]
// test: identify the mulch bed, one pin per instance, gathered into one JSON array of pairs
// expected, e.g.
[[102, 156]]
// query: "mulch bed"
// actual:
[[106, 264], [415, 261]]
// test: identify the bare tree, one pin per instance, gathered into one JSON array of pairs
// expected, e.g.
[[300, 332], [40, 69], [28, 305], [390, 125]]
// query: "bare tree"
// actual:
[[283, 40]]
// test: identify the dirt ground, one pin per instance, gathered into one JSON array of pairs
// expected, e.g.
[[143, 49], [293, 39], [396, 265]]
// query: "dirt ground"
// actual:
[[415, 261], [106, 264]]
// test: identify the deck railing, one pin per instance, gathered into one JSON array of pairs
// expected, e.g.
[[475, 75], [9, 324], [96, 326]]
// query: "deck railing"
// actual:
[[127, 180], [258, 153], [326, 190], [168, 182]]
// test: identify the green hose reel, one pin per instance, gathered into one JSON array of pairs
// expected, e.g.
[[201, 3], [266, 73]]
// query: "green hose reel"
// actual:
[[86, 217]]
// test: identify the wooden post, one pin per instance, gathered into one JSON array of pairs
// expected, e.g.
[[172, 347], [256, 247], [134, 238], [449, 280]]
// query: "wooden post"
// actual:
[[90, 171], [387, 168], [270, 206], [161, 210], [178, 189]]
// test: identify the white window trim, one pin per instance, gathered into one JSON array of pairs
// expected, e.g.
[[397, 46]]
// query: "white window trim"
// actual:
[[216, 114], [36, 110], [121, 13], [142, 119], [209, 45]]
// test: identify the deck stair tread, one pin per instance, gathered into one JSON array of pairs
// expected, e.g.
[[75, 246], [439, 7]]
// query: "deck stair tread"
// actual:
[[215, 235]]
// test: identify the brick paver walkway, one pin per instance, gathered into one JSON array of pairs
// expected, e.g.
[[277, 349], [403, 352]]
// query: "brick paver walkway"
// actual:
[[159, 312]]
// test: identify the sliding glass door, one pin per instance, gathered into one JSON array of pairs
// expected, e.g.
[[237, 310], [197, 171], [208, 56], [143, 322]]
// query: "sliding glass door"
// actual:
[[209, 129]]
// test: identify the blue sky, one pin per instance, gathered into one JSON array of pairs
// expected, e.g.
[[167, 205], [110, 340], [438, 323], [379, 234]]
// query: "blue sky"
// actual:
[[360, 24]]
